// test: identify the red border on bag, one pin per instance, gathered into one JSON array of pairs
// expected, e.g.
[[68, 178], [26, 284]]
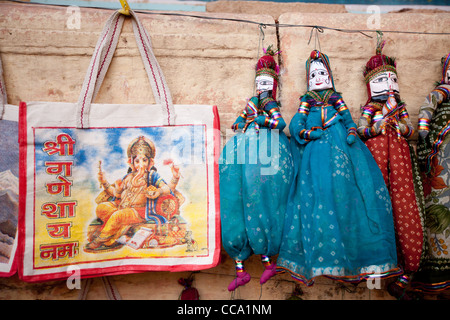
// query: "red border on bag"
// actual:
[[113, 270], [22, 183], [14, 264]]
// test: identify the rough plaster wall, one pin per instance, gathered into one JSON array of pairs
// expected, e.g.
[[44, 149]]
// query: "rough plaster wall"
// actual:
[[205, 62], [275, 9]]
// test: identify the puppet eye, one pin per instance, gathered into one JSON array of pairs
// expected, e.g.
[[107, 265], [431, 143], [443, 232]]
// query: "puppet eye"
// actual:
[[380, 79]]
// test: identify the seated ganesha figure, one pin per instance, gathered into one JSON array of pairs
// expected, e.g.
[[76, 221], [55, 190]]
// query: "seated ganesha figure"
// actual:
[[133, 199]]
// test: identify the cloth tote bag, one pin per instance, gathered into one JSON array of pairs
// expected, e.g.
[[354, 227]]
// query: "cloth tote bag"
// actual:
[[9, 182], [114, 189]]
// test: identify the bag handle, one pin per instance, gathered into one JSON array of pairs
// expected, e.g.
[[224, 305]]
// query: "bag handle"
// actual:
[[110, 42], [3, 96], [100, 61]]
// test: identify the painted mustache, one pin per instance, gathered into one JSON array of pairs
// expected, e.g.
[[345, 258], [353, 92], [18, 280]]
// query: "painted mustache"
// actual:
[[385, 91]]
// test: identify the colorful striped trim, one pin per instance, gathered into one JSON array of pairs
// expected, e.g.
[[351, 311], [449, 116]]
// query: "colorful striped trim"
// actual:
[[403, 113], [443, 91], [264, 101], [351, 131], [408, 132], [267, 71], [274, 113], [437, 143], [303, 110], [327, 123], [431, 287], [304, 134], [316, 96], [340, 105], [271, 123], [424, 124], [377, 116], [384, 68], [375, 105], [266, 261], [239, 266], [393, 272], [368, 113], [252, 109], [369, 132]]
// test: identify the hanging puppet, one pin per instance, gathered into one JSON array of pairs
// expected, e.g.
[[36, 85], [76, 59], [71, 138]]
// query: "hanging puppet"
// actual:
[[385, 126], [255, 177], [339, 216], [434, 155]]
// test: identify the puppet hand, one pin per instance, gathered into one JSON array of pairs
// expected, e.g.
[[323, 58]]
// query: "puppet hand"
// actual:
[[379, 125], [402, 127], [423, 133], [351, 138], [260, 120], [238, 125], [315, 134]]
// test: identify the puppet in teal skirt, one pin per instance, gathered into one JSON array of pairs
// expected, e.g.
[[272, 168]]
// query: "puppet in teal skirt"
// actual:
[[256, 171], [339, 220]]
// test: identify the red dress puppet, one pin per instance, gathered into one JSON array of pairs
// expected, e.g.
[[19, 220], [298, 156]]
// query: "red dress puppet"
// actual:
[[385, 127]]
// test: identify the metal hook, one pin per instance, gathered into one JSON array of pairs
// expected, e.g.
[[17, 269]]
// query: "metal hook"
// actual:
[[261, 27], [261, 38]]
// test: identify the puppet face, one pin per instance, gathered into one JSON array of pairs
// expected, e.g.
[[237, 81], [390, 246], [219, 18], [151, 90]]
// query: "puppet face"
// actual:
[[319, 79], [263, 83], [447, 77], [383, 83]]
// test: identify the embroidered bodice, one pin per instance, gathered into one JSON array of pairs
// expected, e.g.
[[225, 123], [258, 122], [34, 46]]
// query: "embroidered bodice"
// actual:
[[320, 110]]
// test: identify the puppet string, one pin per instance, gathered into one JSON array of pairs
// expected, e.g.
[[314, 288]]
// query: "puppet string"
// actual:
[[317, 29]]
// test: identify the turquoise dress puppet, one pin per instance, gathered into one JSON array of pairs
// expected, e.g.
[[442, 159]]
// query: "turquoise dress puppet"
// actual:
[[256, 171], [339, 218]]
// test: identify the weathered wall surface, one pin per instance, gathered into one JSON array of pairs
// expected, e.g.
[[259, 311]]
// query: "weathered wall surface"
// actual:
[[275, 9], [205, 62]]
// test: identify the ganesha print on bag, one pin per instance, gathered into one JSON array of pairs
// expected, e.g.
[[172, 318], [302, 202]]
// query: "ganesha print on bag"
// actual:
[[385, 127], [141, 209], [114, 192], [434, 153]]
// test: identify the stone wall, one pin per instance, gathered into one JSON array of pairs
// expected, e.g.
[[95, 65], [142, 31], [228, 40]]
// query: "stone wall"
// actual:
[[208, 61]]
